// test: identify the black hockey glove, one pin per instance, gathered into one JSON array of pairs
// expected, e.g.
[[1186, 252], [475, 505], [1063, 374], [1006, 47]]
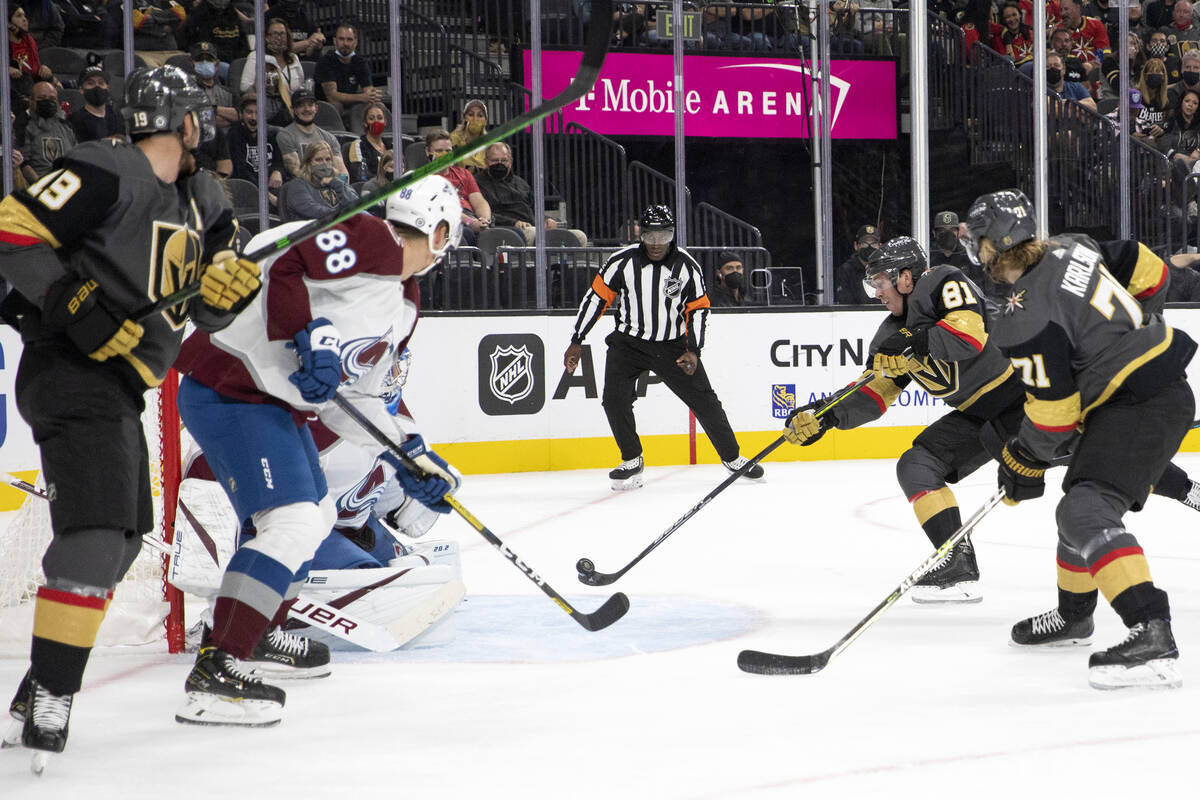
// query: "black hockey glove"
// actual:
[[915, 339], [1021, 477], [91, 322]]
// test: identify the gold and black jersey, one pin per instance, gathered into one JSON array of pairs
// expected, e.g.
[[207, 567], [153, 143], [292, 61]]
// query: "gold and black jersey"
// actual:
[[103, 214]]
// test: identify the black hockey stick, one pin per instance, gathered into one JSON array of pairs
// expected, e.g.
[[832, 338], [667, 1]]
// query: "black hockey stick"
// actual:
[[594, 50], [614, 607], [587, 569], [773, 664]]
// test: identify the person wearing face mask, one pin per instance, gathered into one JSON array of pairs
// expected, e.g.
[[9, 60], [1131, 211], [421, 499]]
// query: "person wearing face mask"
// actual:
[[510, 197], [343, 77], [362, 160], [97, 119], [946, 247], [1152, 87], [729, 284], [216, 21], [1057, 83], [48, 137], [848, 284], [283, 71], [303, 133], [660, 280], [316, 189], [474, 123], [204, 70]]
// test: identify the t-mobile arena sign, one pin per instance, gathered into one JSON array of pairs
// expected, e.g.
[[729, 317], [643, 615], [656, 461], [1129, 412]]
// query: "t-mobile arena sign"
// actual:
[[737, 96]]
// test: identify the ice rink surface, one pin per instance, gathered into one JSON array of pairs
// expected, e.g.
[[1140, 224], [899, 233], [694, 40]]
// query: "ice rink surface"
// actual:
[[931, 701]]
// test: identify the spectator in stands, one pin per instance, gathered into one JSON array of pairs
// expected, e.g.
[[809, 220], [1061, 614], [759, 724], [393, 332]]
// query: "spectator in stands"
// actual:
[[977, 24], [1181, 138], [718, 26], [945, 247], [97, 119], [629, 23], [317, 189], [1185, 282], [156, 24], [243, 149], [343, 77], [729, 281], [45, 22], [296, 139], [1183, 34], [1057, 83], [362, 160], [1138, 24], [1112, 67], [214, 155], [510, 197], [474, 123], [764, 29], [204, 69], [1089, 37], [47, 136], [1159, 14], [24, 64], [848, 281], [307, 39], [1189, 77], [1015, 39], [476, 213], [843, 32], [216, 21], [84, 24], [282, 67], [1153, 89]]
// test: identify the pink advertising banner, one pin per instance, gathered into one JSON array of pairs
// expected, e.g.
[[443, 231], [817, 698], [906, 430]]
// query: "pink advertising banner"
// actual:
[[735, 96]]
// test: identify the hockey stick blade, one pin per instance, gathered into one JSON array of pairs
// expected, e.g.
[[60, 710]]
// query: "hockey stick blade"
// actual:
[[587, 568], [613, 609], [773, 664], [594, 50]]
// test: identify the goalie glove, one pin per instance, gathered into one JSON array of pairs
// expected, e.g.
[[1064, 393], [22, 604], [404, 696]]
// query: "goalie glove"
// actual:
[[438, 479], [230, 282], [1022, 477], [318, 347], [806, 428], [914, 340], [81, 310]]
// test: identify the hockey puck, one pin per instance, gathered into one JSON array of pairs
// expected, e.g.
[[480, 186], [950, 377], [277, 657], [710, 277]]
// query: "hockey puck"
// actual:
[[584, 566]]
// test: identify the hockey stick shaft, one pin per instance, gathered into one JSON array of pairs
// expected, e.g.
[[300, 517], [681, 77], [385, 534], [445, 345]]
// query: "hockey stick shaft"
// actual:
[[773, 664], [603, 579], [613, 609], [594, 51]]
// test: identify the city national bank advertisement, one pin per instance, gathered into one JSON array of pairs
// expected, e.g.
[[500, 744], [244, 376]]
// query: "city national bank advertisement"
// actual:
[[492, 394]]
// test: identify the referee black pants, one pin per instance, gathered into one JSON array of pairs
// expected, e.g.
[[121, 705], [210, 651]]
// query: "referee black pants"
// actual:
[[627, 359]]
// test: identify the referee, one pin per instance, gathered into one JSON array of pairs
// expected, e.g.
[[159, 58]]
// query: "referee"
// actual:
[[658, 290]]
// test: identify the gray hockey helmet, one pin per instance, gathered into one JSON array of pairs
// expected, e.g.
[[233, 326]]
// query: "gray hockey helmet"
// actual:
[[158, 99], [1006, 219]]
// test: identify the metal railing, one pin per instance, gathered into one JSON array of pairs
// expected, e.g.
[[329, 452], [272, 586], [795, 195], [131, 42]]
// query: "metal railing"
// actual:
[[711, 226]]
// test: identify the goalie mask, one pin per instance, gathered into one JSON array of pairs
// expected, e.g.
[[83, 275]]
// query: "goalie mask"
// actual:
[[393, 382], [1005, 219], [424, 206], [887, 262]]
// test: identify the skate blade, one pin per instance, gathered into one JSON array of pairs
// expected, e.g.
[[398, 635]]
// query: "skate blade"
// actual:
[[959, 593], [1082, 641], [12, 737], [37, 764], [271, 672], [628, 484], [1161, 673], [202, 708]]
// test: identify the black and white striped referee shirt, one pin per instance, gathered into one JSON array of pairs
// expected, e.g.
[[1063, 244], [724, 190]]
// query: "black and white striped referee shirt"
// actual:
[[657, 302]]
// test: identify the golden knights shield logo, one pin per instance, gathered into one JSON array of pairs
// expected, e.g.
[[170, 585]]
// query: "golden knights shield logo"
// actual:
[[174, 263], [940, 378]]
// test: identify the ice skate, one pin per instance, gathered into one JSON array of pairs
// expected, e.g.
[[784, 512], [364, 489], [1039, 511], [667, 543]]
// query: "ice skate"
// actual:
[[47, 716], [1148, 658], [954, 579], [1193, 496], [628, 476], [280, 655], [221, 692], [755, 473], [1051, 630], [17, 710]]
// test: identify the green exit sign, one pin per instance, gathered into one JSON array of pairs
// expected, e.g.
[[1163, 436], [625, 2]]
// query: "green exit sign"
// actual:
[[689, 25]]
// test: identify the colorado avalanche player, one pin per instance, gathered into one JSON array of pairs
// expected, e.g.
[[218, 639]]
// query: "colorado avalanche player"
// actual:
[[340, 305]]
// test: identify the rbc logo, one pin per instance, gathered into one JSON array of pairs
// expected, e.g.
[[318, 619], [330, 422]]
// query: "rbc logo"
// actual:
[[783, 399]]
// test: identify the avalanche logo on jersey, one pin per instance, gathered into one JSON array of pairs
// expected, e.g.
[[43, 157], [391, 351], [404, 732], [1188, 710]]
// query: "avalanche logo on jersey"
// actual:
[[359, 356], [359, 499], [174, 263]]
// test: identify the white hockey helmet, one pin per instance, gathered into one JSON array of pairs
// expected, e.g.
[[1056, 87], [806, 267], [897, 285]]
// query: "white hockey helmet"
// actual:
[[424, 206]]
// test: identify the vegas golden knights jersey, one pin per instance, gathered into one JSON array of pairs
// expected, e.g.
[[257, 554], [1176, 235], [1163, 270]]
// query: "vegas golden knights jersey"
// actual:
[[1077, 337], [103, 214], [963, 368]]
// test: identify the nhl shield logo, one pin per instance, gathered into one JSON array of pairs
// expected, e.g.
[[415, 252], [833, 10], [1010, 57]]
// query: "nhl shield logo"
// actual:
[[672, 286], [512, 376], [512, 367]]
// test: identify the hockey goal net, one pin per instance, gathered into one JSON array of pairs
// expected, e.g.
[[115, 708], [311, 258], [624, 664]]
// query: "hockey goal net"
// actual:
[[145, 608]]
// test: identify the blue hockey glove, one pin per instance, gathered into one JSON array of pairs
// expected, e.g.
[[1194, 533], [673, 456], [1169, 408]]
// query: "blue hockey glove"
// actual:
[[431, 488], [318, 347]]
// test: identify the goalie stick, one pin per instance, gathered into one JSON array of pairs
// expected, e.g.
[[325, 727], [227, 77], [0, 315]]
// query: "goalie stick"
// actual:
[[613, 608], [594, 50], [587, 569], [335, 621], [774, 664]]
